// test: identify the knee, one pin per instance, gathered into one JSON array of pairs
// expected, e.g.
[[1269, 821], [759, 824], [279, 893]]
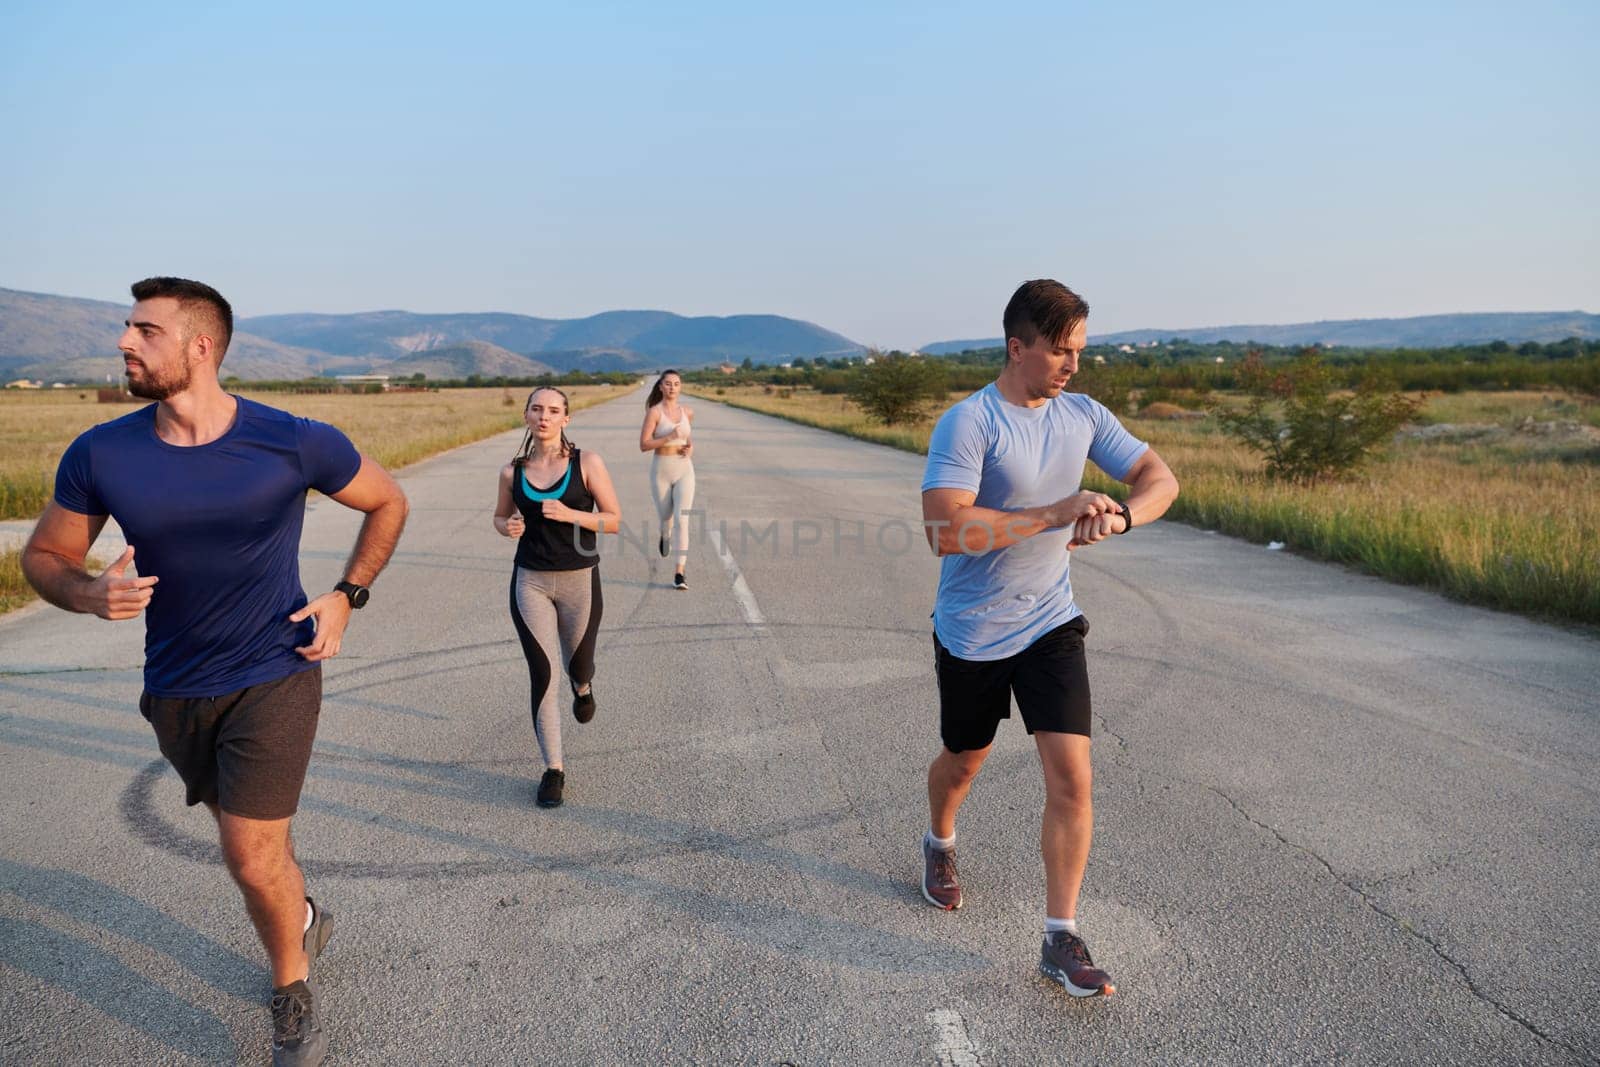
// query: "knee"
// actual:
[[960, 768], [1070, 796], [252, 865]]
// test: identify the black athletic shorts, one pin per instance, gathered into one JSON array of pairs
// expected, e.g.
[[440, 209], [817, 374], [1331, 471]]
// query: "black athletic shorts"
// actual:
[[245, 752], [1049, 678]]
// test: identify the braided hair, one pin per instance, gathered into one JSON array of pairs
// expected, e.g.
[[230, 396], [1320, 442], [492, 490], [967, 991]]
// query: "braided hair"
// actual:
[[526, 448]]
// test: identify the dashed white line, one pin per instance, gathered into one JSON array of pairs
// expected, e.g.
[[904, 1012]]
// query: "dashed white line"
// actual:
[[741, 590], [956, 1047]]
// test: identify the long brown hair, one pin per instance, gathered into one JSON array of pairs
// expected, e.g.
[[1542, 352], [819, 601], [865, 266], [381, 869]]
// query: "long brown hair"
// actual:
[[655, 390], [526, 448]]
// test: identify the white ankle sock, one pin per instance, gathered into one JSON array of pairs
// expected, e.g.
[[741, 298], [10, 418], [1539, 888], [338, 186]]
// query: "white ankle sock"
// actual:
[[310, 915], [943, 844], [1054, 925]]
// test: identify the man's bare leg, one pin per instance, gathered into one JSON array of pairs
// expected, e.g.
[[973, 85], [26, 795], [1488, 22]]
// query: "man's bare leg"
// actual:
[[949, 780], [260, 857], [1064, 837], [1068, 819]]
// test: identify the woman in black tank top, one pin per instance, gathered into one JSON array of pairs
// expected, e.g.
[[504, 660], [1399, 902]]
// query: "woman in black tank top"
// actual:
[[555, 499]]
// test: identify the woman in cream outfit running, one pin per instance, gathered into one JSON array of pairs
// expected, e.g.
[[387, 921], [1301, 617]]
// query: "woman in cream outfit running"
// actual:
[[666, 433]]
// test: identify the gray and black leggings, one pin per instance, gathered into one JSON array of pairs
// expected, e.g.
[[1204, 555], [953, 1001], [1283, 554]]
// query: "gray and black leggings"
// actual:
[[551, 610]]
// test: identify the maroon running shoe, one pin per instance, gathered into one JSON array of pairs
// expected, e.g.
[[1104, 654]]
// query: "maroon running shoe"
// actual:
[[1065, 958], [939, 882]]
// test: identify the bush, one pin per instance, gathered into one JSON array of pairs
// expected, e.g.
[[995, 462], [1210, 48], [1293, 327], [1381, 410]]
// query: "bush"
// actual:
[[896, 389], [834, 382], [1307, 431], [1111, 385]]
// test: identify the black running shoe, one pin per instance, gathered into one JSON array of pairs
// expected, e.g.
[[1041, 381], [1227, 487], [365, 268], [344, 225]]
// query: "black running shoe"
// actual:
[[583, 705], [298, 1039], [1064, 958], [318, 932], [679, 582], [663, 546], [550, 787]]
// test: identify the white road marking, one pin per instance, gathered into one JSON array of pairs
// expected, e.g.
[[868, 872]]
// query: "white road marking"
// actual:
[[955, 1047], [741, 590]]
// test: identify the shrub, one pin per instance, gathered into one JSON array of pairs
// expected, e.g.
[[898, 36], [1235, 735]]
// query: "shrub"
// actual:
[[1305, 429], [896, 389], [1111, 385]]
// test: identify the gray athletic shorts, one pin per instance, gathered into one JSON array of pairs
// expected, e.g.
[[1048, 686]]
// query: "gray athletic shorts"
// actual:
[[246, 751]]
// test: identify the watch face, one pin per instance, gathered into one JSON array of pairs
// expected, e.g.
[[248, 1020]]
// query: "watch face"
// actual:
[[358, 596]]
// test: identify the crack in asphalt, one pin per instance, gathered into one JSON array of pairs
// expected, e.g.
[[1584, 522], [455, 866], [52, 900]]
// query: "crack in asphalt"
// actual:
[[72, 670], [1402, 925]]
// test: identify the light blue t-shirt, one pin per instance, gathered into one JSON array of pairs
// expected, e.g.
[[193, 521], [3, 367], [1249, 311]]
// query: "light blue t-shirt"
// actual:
[[994, 605]]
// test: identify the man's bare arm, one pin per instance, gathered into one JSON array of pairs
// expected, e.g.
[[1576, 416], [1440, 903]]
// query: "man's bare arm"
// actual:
[[1152, 489], [955, 524], [374, 491], [53, 563]]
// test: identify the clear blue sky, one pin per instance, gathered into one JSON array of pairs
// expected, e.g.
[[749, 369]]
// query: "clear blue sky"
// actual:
[[888, 171]]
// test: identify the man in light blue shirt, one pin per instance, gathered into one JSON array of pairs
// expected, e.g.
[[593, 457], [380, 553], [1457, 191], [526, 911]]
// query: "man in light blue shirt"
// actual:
[[1003, 507]]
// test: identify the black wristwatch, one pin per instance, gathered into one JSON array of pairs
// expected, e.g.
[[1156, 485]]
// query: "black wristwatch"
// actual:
[[356, 594], [1127, 517]]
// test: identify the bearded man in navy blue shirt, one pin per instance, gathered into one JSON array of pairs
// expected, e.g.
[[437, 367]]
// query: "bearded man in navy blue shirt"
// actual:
[[209, 489]]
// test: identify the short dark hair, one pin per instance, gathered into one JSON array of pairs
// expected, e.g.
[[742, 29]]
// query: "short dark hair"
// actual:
[[1043, 308], [188, 294]]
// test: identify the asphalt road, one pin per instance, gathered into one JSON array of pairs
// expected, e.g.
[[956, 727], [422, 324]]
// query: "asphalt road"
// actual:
[[1336, 819]]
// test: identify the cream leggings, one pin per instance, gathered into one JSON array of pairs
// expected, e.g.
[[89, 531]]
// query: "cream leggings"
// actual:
[[672, 486]]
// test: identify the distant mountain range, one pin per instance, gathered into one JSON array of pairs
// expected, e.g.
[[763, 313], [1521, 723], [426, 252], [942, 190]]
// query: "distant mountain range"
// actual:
[[60, 338], [65, 338], [1424, 331]]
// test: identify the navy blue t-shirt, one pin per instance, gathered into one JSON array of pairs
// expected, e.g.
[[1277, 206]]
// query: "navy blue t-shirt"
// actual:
[[219, 524]]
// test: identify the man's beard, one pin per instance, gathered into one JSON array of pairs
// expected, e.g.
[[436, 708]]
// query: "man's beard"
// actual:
[[151, 387]]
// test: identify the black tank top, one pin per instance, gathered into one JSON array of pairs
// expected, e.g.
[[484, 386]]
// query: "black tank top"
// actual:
[[547, 545]]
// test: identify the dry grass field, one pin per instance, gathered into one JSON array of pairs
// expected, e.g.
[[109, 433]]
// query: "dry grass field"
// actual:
[[393, 428], [1492, 499]]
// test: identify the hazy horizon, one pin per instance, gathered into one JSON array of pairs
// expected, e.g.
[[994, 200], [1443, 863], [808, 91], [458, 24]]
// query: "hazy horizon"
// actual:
[[890, 173]]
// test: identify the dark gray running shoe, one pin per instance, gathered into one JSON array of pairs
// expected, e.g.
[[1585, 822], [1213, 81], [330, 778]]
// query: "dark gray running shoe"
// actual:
[[550, 787], [1064, 958], [583, 705], [298, 1039], [939, 883], [679, 582], [318, 932]]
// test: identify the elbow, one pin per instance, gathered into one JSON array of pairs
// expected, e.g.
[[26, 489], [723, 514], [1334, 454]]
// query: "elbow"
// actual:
[[29, 562]]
